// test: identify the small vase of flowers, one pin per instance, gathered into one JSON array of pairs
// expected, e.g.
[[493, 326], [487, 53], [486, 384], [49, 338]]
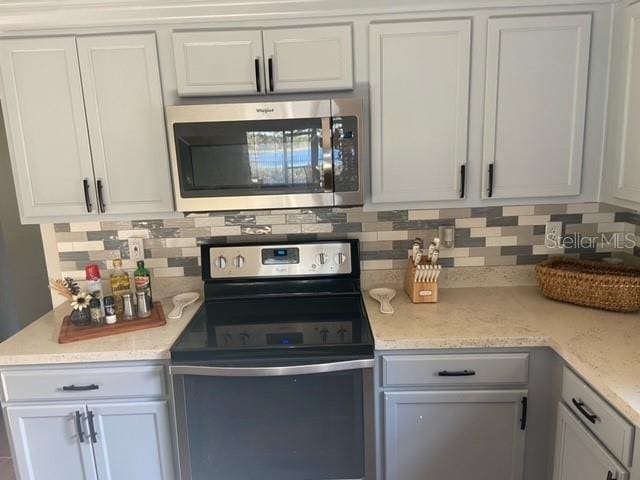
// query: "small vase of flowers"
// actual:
[[70, 290]]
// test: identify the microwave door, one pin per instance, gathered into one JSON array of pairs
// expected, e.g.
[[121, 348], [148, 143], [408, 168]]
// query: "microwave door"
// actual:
[[275, 163]]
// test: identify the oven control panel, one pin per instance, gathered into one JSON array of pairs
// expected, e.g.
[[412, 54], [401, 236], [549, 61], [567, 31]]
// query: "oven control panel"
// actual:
[[318, 333], [308, 259]]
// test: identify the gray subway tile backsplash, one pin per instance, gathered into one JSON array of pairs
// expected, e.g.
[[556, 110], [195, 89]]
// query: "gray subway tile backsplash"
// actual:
[[491, 236]]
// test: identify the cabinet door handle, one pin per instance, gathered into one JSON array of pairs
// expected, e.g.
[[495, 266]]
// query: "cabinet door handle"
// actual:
[[257, 67], [463, 174], [101, 197], [78, 417], [87, 200], [270, 62], [580, 406], [491, 172], [92, 430], [80, 388], [456, 373]]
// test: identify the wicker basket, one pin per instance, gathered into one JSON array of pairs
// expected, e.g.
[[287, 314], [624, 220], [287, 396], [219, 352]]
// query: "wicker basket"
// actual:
[[590, 284]]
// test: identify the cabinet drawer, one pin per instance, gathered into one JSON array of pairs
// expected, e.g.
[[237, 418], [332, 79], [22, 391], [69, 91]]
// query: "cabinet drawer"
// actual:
[[83, 383], [598, 416], [465, 369]]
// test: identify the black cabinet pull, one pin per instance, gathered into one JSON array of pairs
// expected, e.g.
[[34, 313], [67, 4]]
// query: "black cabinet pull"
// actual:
[[491, 169], [79, 426], [523, 419], [456, 373], [610, 475], [463, 173], [80, 388], [270, 62], [100, 197], [257, 67], [580, 406], [92, 430], [87, 200]]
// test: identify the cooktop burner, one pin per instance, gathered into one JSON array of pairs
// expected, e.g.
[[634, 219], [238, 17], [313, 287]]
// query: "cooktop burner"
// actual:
[[281, 301]]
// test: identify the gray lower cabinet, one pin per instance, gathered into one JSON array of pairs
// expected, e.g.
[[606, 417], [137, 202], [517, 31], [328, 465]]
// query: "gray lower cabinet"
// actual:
[[105, 441], [579, 456], [454, 434], [140, 427], [46, 443]]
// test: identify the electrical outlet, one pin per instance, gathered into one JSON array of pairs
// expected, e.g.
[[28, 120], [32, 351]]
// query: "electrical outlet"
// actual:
[[136, 249], [553, 234]]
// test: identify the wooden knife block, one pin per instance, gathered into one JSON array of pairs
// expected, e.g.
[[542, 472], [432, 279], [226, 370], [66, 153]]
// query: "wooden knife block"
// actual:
[[419, 292]]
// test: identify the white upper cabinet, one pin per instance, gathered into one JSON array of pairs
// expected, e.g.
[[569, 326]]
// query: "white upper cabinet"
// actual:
[[627, 184], [419, 78], [46, 128], [125, 115], [308, 59], [219, 62], [535, 100], [254, 62]]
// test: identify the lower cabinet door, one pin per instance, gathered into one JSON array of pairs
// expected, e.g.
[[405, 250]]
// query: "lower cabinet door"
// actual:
[[51, 442], [454, 435], [579, 456], [132, 440]]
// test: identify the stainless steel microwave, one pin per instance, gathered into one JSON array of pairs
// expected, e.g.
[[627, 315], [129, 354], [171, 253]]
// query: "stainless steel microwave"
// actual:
[[267, 155]]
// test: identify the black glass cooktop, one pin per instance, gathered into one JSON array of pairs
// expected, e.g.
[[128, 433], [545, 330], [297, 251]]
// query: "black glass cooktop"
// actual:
[[273, 329]]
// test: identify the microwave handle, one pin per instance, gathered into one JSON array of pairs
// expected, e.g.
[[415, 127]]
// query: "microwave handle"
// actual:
[[271, 371], [327, 157]]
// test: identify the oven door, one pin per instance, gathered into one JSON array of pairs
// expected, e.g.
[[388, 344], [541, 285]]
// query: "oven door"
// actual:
[[251, 156], [303, 422]]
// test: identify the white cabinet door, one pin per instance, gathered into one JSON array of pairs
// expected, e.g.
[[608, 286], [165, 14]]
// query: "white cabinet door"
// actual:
[[457, 435], [219, 62], [47, 444], [579, 456], [133, 440], [628, 181], [419, 78], [46, 127], [308, 59], [537, 68], [125, 114]]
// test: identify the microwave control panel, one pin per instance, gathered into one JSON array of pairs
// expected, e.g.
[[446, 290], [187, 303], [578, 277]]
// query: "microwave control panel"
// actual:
[[247, 261]]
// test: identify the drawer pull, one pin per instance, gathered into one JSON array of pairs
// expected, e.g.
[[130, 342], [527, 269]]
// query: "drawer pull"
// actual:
[[80, 388], [79, 426], [456, 373], [580, 406]]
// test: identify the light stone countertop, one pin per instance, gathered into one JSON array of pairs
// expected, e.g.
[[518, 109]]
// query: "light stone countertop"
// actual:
[[603, 347], [37, 344]]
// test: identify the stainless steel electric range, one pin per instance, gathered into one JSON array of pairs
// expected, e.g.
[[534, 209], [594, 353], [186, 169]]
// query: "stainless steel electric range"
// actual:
[[273, 378]]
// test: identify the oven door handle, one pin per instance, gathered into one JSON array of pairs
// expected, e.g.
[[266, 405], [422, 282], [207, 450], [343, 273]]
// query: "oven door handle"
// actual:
[[271, 371], [327, 155]]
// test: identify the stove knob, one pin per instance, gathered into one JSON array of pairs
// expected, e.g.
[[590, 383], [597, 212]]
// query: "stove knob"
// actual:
[[244, 338], [227, 338], [324, 333], [341, 258], [221, 262], [238, 261], [321, 258]]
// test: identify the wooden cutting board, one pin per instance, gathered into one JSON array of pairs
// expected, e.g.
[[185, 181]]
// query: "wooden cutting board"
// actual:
[[70, 333]]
